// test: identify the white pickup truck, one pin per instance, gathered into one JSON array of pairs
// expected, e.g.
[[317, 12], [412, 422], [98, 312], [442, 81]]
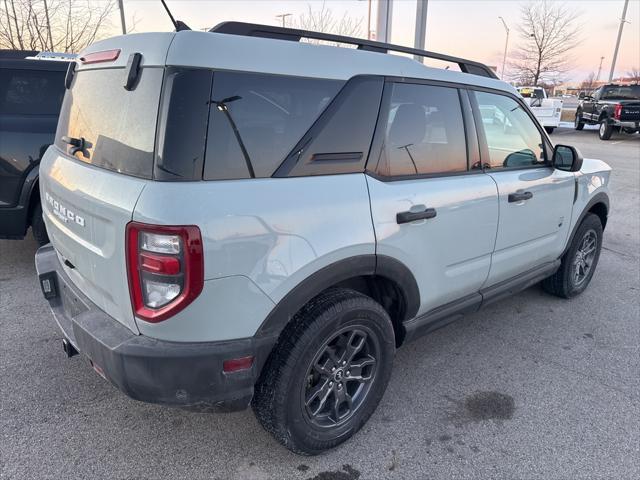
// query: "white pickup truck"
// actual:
[[546, 110]]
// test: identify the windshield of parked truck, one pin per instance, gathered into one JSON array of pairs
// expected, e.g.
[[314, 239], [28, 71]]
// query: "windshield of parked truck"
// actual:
[[528, 92]]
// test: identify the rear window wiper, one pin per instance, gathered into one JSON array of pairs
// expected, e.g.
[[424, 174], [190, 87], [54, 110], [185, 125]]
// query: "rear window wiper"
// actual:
[[78, 145], [222, 106]]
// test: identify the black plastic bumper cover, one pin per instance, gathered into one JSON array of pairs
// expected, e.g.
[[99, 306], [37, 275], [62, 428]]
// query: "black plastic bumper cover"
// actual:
[[181, 374]]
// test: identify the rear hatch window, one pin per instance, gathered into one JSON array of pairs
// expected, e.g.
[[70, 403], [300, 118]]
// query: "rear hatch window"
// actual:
[[118, 126]]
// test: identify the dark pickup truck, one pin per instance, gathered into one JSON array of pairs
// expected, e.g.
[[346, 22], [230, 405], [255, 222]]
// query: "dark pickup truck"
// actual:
[[31, 92], [613, 107]]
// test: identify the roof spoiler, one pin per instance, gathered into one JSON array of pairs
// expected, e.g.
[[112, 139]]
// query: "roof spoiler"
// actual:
[[294, 34]]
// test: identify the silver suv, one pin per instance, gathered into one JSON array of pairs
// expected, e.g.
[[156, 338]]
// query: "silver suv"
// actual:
[[237, 217]]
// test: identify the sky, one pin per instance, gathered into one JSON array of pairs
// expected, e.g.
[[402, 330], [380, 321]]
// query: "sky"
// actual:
[[465, 28]]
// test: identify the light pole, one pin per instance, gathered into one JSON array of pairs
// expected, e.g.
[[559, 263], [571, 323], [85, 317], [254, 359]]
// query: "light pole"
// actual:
[[122, 22], [421, 27], [615, 52], [283, 16], [506, 45], [383, 21], [599, 69]]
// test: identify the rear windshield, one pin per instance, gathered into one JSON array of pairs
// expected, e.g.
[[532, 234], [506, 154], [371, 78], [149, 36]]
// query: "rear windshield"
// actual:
[[526, 92], [30, 92], [630, 92], [118, 126]]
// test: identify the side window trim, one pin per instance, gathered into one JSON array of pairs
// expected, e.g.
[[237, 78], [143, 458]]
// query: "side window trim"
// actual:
[[377, 145], [482, 138], [474, 163], [356, 158]]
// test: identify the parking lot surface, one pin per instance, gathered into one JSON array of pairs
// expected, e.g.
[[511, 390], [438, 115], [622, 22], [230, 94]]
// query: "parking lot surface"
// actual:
[[531, 387]]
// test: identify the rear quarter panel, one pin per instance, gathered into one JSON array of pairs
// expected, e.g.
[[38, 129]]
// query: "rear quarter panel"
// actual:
[[261, 238]]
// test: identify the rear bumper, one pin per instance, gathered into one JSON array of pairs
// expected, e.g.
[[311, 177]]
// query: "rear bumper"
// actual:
[[549, 121], [635, 125], [188, 375]]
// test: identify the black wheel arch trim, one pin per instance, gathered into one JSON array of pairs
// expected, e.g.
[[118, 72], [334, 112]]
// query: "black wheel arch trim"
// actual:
[[29, 186], [597, 198], [332, 274]]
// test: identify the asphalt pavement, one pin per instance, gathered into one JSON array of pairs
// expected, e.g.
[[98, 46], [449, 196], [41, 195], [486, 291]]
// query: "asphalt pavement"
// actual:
[[531, 387]]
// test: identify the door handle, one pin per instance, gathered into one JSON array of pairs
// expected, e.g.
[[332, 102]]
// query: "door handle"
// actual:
[[406, 217], [519, 196]]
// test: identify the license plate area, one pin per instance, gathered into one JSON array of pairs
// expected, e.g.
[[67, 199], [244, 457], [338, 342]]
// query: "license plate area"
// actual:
[[71, 304]]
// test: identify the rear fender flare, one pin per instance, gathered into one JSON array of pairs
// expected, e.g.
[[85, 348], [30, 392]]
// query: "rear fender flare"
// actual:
[[326, 277], [597, 198]]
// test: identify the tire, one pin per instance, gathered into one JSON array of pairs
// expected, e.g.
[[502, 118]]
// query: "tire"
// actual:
[[605, 130], [37, 225], [578, 123], [298, 374], [549, 130], [566, 282]]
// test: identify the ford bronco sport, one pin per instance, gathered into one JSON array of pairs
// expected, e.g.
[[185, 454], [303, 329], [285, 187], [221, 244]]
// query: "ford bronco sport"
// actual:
[[238, 217]]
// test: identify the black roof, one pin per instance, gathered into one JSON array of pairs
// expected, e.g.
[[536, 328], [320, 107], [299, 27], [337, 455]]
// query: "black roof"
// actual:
[[17, 59]]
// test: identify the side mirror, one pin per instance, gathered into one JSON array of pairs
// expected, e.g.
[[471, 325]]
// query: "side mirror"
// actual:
[[581, 96], [567, 158]]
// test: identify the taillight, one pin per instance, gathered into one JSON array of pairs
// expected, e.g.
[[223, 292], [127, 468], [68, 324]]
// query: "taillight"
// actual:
[[617, 111], [165, 266], [100, 57]]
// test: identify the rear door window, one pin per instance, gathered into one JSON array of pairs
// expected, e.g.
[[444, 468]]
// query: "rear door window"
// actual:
[[255, 120], [118, 126], [424, 133], [31, 92]]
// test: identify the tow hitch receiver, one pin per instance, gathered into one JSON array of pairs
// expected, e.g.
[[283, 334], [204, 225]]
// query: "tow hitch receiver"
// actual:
[[68, 348]]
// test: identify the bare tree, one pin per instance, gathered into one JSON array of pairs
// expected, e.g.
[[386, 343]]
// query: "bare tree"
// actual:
[[548, 33], [55, 25], [324, 20], [634, 75], [589, 83]]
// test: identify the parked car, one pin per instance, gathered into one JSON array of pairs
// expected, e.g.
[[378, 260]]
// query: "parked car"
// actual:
[[547, 110], [31, 92], [249, 219], [613, 107]]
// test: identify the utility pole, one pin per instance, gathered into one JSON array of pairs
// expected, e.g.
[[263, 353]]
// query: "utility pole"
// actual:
[[421, 27], [383, 28], [122, 22], [283, 16], [599, 69], [369, 21], [506, 46], [615, 52]]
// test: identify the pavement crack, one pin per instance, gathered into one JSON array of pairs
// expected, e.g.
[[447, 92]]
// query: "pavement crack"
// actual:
[[629, 255]]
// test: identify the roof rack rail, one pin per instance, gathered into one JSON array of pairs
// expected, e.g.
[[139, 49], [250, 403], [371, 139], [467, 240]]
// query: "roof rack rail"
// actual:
[[294, 34]]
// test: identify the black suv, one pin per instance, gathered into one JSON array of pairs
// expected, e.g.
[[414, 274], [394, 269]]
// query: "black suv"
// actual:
[[613, 107], [31, 92]]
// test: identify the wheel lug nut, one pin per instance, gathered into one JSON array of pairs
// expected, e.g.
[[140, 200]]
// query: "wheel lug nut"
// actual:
[[344, 362], [331, 384], [348, 373], [333, 369]]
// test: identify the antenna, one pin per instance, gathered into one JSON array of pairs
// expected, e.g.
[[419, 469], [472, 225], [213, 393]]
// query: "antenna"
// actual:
[[176, 23]]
